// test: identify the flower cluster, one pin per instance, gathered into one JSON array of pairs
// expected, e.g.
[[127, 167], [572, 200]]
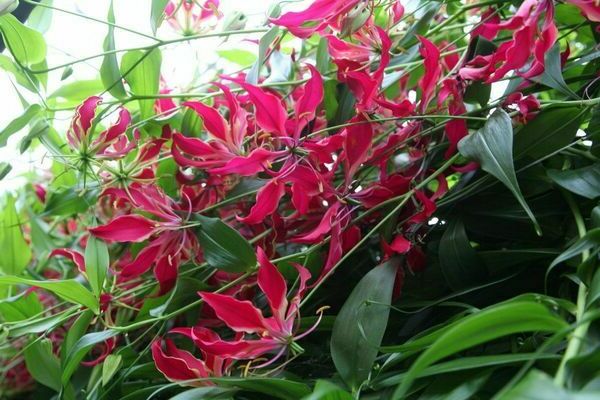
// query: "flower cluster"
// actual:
[[255, 192]]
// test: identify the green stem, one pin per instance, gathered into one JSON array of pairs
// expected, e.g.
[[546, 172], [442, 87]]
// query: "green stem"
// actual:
[[159, 44], [576, 339], [183, 309], [40, 4]]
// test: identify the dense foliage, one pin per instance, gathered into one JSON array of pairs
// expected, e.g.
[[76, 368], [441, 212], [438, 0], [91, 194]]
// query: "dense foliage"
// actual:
[[386, 200]]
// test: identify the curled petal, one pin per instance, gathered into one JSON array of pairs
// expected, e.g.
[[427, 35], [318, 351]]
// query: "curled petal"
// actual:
[[270, 113], [241, 349], [214, 123], [72, 255], [175, 364], [272, 284], [255, 162], [241, 316], [267, 200], [126, 228]]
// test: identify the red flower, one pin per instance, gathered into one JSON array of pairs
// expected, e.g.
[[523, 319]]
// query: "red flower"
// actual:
[[180, 365], [80, 132], [318, 16], [275, 333]]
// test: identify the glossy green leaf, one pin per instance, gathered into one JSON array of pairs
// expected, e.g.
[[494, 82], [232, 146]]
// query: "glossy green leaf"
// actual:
[[141, 70], [278, 388], [360, 325], [110, 366], [589, 240], [40, 18], [39, 325], [325, 390], [68, 289], [27, 81], [19, 123], [79, 350], [322, 58], [263, 47], [157, 13], [42, 364], [69, 202], [16, 252], [468, 363], [552, 75], [78, 90], [458, 260], [207, 393], [583, 181], [20, 307], [39, 129], [109, 70], [96, 263], [25, 44], [5, 169], [487, 325], [539, 386], [492, 148], [224, 248], [457, 386], [75, 332], [243, 58], [551, 130]]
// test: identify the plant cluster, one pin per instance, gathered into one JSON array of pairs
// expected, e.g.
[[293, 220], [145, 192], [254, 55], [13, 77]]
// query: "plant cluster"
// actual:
[[391, 200]]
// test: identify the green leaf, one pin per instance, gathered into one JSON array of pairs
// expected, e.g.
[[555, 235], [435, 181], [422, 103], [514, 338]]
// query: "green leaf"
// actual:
[[141, 70], [589, 240], [489, 324], [79, 350], [16, 252], [551, 130], [25, 44], [39, 129], [583, 181], [322, 58], [96, 263], [539, 386], [491, 147], [263, 46], [243, 58], [40, 18], [552, 75], [205, 393], [109, 70], [458, 386], [19, 123], [42, 364], [39, 325], [594, 290], [224, 248], [20, 307], [279, 388], [110, 366], [78, 90], [421, 25], [69, 202], [157, 13], [325, 390], [469, 363], [28, 81], [360, 325], [75, 332], [458, 260], [5, 169], [68, 289]]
